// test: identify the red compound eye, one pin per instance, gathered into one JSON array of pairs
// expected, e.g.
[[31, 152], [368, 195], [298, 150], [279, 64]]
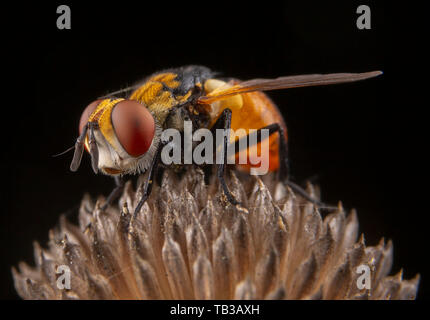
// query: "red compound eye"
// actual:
[[134, 127], [86, 114]]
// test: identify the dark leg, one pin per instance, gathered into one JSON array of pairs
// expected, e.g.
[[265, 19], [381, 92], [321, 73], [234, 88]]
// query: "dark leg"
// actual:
[[283, 150], [224, 122], [159, 175], [305, 195], [149, 181], [283, 165], [116, 192], [207, 169]]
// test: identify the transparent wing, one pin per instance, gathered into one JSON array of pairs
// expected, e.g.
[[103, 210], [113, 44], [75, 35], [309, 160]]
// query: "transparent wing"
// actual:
[[285, 83]]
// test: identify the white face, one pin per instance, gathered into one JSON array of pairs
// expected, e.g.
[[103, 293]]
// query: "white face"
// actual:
[[114, 160], [111, 162]]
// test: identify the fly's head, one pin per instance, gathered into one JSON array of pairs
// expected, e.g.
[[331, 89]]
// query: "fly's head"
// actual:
[[120, 135]]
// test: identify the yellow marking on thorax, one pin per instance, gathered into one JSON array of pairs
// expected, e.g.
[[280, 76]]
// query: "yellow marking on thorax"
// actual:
[[155, 98], [167, 78], [184, 97], [149, 92]]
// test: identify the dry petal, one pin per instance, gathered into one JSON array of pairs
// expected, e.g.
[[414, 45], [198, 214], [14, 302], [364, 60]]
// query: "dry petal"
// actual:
[[188, 242]]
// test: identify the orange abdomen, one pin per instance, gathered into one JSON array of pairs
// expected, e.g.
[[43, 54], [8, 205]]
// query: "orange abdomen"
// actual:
[[259, 111]]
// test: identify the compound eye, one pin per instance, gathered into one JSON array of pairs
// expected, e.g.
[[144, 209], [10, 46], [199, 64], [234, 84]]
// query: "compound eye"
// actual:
[[134, 127], [87, 113]]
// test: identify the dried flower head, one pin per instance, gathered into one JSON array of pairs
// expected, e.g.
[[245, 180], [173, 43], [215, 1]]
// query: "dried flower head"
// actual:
[[187, 242]]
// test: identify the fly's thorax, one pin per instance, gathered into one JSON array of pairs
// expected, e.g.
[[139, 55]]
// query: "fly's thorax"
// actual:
[[164, 91], [160, 93]]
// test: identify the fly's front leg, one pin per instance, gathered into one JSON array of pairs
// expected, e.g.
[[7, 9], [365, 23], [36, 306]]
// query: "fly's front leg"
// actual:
[[116, 192], [224, 122], [150, 180]]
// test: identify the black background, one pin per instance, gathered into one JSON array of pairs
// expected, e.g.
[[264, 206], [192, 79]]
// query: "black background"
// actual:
[[363, 140]]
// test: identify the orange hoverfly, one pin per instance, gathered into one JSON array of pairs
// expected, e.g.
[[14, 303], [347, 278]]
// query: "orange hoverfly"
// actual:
[[122, 135]]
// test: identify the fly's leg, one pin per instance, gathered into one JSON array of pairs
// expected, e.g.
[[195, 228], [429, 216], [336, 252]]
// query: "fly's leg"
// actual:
[[283, 162], [116, 192], [150, 179], [224, 122], [283, 149]]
